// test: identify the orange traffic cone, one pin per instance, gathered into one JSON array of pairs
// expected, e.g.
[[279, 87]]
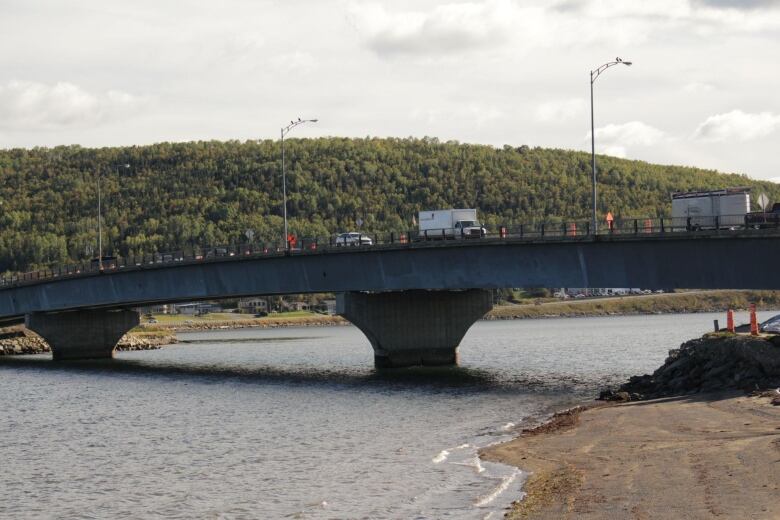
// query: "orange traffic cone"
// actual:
[[753, 320], [730, 321]]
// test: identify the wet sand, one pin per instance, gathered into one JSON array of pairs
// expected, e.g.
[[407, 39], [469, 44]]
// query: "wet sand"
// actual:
[[711, 456]]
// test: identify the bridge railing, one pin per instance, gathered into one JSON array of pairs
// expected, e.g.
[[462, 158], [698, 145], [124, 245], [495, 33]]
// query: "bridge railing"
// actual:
[[563, 230]]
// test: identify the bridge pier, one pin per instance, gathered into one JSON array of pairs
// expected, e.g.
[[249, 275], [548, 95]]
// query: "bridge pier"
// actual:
[[88, 334], [416, 327]]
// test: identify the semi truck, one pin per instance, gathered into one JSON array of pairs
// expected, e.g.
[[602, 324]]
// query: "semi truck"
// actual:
[[722, 209], [448, 224]]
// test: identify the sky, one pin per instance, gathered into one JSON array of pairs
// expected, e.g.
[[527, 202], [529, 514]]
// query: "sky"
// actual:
[[703, 90]]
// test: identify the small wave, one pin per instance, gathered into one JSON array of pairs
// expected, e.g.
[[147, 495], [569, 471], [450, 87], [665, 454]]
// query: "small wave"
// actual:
[[505, 483], [441, 457], [463, 446], [473, 463], [508, 426]]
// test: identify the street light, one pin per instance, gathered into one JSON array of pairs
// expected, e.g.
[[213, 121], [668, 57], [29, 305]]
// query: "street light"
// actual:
[[594, 74], [285, 131], [100, 218]]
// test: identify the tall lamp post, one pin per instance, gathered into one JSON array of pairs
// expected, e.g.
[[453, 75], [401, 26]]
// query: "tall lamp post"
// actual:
[[100, 218], [594, 74], [285, 131]]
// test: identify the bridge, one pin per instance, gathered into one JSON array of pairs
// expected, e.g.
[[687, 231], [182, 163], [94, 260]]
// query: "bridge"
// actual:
[[413, 300]]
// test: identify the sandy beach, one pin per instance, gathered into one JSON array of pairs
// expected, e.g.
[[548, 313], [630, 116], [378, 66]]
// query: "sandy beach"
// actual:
[[702, 456]]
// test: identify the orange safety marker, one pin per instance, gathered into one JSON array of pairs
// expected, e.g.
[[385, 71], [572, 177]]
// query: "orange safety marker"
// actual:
[[571, 229], [730, 321], [648, 226], [753, 320], [403, 238]]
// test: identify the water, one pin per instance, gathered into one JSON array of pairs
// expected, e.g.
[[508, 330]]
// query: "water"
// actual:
[[296, 423]]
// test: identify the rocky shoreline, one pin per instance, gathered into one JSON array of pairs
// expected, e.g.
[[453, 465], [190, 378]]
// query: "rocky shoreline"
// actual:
[[715, 362], [21, 341]]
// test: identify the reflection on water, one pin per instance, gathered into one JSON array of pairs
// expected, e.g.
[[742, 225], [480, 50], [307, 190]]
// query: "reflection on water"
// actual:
[[297, 423]]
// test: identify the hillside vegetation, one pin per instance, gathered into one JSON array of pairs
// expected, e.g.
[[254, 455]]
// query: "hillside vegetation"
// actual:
[[168, 196]]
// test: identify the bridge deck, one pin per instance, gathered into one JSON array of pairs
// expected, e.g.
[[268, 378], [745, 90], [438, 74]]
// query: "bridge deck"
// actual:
[[703, 259]]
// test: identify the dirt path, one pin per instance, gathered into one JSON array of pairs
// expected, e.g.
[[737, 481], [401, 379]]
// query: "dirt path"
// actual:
[[683, 458]]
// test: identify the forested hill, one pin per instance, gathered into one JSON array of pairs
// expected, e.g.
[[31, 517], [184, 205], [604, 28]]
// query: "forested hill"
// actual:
[[172, 195]]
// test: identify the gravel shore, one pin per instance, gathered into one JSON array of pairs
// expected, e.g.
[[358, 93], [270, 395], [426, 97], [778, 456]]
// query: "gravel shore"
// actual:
[[706, 444], [694, 457]]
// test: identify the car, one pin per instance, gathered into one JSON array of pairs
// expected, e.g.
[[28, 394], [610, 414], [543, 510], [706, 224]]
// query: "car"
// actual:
[[353, 239]]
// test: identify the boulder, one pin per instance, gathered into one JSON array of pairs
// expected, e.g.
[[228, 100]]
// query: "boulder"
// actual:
[[714, 362]]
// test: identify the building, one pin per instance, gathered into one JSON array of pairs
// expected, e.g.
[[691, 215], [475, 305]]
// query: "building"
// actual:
[[195, 308], [253, 305]]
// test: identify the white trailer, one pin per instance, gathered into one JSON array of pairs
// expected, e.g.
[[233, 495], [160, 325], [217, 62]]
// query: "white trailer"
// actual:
[[449, 224], [710, 209]]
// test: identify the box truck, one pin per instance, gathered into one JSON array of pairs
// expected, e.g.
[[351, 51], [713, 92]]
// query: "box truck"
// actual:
[[443, 224], [724, 209]]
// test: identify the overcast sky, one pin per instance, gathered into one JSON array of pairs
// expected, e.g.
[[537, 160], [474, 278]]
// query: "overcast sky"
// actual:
[[704, 89]]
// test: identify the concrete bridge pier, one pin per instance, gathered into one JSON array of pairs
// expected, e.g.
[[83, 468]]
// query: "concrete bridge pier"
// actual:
[[416, 327], [88, 334]]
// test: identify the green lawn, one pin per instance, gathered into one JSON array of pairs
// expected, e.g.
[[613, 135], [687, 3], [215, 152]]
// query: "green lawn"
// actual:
[[168, 319]]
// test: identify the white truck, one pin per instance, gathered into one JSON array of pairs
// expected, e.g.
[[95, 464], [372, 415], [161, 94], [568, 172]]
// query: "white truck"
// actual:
[[724, 208], [448, 224]]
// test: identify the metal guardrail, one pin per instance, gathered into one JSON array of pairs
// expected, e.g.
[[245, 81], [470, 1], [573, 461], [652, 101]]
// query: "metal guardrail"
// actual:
[[543, 230]]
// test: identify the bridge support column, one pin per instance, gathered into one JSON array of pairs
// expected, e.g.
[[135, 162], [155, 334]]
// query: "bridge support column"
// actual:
[[411, 328], [89, 334]]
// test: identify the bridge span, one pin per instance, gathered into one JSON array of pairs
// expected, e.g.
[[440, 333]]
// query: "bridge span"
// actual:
[[414, 302]]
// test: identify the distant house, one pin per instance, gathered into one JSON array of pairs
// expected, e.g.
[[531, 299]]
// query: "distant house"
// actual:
[[195, 308], [295, 306], [326, 306], [253, 305]]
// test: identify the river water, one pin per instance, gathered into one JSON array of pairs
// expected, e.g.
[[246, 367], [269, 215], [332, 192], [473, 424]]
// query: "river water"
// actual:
[[296, 423]]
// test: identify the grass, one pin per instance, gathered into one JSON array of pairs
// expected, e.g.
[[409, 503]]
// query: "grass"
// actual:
[[692, 301], [225, 318]]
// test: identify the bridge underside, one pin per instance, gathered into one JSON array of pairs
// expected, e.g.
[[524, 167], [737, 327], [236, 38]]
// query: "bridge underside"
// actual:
[[409, 328]]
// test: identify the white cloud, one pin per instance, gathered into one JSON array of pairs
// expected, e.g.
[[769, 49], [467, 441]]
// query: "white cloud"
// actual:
[[737, 125], [633, 133], [30, 105], [615, 151], [697, 87], [561, 110], [446, 28]]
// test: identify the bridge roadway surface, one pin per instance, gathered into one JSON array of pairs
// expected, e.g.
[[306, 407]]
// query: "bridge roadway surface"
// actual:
[[747, 259]]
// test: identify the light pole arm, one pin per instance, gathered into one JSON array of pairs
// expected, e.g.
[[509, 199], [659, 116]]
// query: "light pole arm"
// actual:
[[594, 74]]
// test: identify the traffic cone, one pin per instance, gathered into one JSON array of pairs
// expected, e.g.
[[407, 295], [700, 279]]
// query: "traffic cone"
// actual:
[[730, 321], [753, 320]]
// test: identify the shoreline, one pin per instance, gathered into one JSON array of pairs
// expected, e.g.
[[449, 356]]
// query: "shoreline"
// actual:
[[706, 455], [17, 341], [695, 439]]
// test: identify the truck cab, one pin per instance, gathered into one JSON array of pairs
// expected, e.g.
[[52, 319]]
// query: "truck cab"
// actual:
[[469, 229]]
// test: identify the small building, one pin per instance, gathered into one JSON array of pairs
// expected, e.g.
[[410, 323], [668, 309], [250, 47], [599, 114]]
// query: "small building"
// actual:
[[326, 307], [253, 305], [195, 308], [295, 306]]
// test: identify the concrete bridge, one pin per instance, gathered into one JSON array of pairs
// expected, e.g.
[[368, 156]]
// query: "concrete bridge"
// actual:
[[414, 302]]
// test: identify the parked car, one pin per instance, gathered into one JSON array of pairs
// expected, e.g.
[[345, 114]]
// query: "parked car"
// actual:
[[353, 239], [764, 219]]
